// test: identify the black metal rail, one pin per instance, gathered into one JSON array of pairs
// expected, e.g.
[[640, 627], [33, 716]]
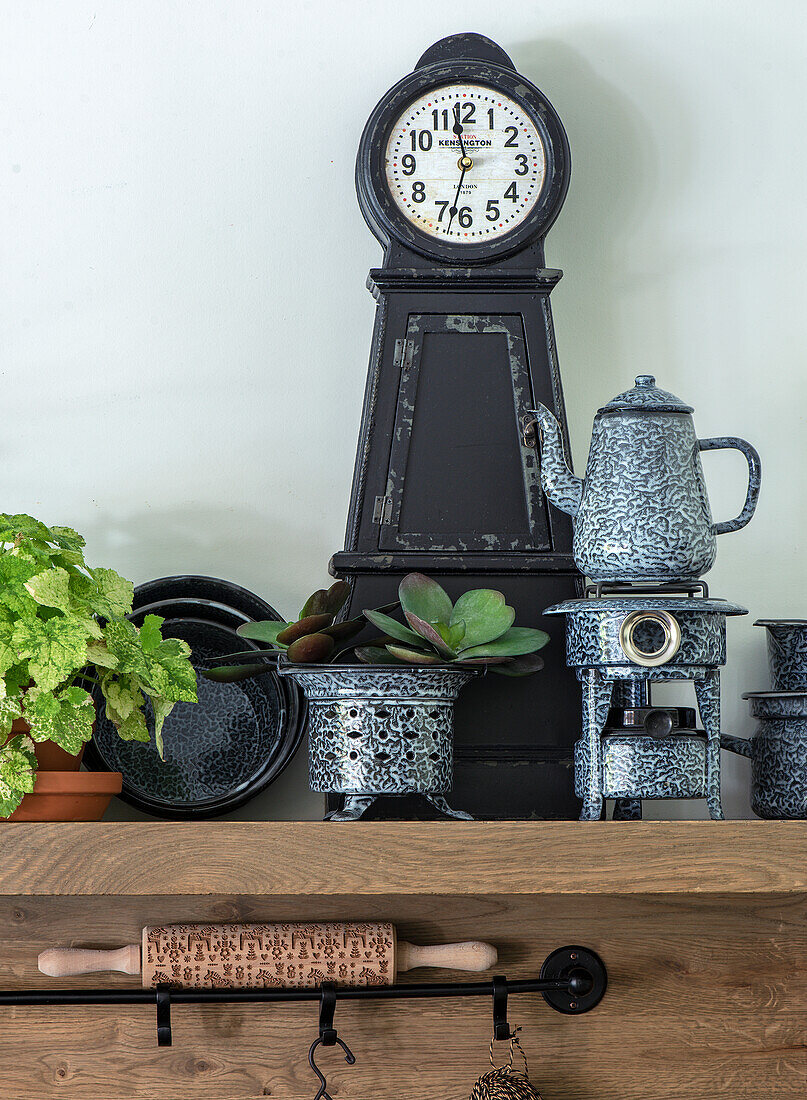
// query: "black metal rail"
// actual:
[[573, 980]]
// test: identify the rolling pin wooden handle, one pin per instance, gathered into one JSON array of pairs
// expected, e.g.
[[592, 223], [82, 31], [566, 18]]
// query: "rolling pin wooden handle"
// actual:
[[473, 955], [59, 962]]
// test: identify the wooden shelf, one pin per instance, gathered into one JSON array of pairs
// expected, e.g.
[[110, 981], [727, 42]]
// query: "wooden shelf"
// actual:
[[282, 859], [702, 926]]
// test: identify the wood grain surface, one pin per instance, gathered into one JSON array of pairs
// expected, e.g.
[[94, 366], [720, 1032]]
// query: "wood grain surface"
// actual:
[[706, 988], [364, 859]]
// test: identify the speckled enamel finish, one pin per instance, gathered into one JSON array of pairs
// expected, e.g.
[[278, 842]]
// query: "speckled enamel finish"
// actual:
[[642, 511], [644, 767], [593, 628], [381, 730], [778, 754], [787, 653]]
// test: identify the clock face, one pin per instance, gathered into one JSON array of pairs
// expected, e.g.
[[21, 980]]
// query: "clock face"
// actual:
[[465, 163]]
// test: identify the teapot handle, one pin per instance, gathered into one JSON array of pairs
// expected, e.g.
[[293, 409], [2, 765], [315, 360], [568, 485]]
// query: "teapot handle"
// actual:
[[723, 442]]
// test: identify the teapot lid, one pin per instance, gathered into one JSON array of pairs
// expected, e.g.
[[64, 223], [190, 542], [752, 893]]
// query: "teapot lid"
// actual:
[[645, 396]]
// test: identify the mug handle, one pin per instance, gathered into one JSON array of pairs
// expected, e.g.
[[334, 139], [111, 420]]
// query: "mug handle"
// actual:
[[723, 442], [736, 744]]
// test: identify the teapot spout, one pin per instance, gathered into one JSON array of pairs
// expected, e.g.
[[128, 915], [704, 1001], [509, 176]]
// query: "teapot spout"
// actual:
[[559, 483]]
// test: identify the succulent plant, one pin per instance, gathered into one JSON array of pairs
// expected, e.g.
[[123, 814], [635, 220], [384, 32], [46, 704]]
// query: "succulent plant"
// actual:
[[476, 630], [313, 638]]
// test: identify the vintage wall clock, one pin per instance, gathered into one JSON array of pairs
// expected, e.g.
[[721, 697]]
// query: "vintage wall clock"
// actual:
[[462, 168]]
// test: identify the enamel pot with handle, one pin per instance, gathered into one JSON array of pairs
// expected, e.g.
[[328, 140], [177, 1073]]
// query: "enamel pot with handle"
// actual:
[[641, 513], [778, 753]]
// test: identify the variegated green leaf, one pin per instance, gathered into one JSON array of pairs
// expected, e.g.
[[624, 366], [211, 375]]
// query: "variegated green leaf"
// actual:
[[51, 588], [55, 648], [64, 717]]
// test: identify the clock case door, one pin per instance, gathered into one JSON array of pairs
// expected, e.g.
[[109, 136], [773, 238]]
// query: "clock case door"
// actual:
[[464, 392], [422, 428]]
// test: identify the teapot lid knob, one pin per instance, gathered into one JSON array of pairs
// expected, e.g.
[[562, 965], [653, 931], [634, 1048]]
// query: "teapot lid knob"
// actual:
[[645, 396]]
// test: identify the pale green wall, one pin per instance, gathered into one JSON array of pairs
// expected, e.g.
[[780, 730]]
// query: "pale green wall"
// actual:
[[185, 327]]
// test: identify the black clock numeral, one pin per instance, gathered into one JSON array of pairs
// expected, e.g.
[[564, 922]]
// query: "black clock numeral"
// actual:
[[442, 203], [468, 114], [419, 192], [522, 160], [493, 212], [421, 140], [465, 217], [439, 116], [408, 164], [490, 118], [511, 192], [511, 142]]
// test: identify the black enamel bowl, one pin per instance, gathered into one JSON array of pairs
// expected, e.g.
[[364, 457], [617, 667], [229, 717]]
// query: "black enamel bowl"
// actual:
[[228, 747]]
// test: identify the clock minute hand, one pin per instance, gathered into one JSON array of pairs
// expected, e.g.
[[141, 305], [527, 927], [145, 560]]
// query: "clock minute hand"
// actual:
[[458, 128], [452, 210]]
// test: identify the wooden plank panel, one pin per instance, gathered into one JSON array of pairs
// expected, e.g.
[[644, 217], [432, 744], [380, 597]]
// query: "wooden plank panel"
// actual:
[[705, 999], [382, 858]]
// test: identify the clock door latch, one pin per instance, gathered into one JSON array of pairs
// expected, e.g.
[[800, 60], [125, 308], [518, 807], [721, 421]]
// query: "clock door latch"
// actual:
[[382, 510]]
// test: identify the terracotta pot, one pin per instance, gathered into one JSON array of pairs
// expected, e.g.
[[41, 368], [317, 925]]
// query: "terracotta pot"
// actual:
[[50, 757], [69, 796], [62, 792]]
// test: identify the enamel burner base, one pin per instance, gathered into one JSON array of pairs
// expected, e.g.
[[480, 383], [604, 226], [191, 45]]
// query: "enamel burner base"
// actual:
[[620, 640]]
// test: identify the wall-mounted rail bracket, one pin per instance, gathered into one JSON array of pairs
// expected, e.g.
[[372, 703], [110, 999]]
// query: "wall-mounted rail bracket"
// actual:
[[583, 974]]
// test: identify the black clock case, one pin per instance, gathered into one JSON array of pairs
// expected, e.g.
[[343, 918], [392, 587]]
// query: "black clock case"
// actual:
[[444, 482], [381, 212]]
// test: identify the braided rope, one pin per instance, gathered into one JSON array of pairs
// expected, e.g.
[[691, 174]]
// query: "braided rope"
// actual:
[[504, 1082]]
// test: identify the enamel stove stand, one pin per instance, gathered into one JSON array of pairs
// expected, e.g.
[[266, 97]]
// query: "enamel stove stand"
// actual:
[[620, 639]]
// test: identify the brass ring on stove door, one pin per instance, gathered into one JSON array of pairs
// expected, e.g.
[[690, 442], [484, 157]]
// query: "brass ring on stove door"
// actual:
[[672, 637]]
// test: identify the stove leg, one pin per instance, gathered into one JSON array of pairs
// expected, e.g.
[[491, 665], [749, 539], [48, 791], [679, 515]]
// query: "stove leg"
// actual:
[[597, 694], [707, 692], [355, 805], [628, 809], [439, 803]]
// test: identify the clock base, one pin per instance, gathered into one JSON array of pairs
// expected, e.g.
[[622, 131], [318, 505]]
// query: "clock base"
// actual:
[[513, 738]]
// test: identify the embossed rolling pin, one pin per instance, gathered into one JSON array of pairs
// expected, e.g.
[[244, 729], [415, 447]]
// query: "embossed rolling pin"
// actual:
[[291, 955]]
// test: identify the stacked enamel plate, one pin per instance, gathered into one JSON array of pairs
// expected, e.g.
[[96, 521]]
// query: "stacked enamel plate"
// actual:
[[225, 749]]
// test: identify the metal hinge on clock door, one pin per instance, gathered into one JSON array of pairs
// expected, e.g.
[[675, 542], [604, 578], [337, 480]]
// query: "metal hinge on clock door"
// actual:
[[382, 510]]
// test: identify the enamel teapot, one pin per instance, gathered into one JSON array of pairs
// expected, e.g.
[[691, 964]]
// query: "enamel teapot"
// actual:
[[642, 512]]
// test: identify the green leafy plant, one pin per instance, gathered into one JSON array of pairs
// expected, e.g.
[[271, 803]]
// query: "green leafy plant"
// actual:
[[63, 625], [476, 630], [313, 638]]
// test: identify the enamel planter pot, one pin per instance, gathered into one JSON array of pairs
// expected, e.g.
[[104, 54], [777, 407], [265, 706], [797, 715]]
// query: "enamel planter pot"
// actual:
[[380, 730], [778, 753]]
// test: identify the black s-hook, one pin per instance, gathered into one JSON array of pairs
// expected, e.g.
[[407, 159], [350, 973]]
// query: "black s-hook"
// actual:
[[327, 1037]]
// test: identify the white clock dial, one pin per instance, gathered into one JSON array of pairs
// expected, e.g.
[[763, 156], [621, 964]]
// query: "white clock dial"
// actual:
[[471, 184]]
